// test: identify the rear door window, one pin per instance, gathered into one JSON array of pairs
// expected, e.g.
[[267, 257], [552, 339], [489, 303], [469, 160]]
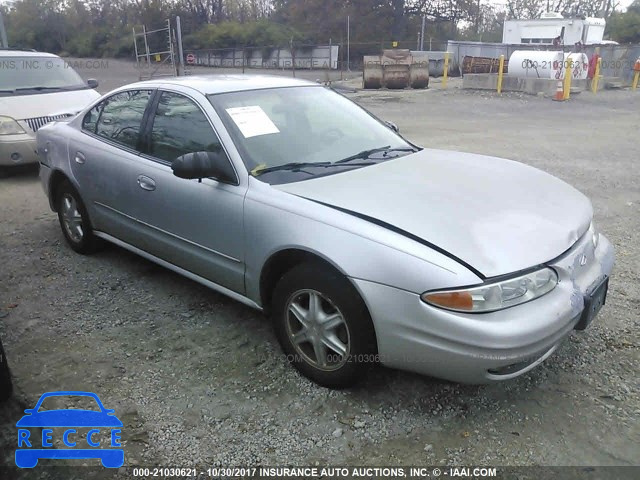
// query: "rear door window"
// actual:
[[119, 117]]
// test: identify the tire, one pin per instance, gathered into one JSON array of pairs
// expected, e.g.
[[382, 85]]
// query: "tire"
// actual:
[[335, 348], [6, 386], [74, 220]]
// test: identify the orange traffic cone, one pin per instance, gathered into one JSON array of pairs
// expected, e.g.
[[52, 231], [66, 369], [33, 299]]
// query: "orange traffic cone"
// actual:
[[559, 96]]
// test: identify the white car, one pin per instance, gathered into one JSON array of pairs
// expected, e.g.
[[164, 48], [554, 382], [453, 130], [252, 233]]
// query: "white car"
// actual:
[[362, 246], [35, 88]]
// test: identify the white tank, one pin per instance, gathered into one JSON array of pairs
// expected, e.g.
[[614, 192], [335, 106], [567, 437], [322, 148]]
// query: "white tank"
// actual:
[[536, 64], [578, 63]]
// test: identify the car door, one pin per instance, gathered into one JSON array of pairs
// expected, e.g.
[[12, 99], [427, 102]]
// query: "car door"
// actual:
[[104, 157], [196, 225]]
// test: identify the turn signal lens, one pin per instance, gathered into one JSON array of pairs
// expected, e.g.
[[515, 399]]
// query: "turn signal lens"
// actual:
[[497, 295], [452, 300]]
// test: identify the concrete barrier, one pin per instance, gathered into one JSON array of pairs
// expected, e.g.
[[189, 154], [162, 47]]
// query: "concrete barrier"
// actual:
[[531, 86]]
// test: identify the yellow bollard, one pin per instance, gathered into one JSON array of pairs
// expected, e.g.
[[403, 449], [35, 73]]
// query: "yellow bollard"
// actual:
[[596, 77], [568, 73], [500, 73], [445, 74], [636, 74]]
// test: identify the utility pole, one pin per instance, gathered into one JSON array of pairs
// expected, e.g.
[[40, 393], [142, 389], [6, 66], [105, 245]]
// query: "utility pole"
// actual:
[[293, 58], [424, 17], [348, 43], [180, 66], [3, 33]]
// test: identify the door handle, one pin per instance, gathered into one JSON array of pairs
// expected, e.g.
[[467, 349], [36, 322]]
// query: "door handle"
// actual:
[[146, 183], [80, 158]]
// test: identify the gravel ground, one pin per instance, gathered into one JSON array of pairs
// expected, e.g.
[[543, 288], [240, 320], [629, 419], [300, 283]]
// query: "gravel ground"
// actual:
[[198, 379]]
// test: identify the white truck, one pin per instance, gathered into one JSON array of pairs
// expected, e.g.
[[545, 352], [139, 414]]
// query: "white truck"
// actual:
[[553, 29]]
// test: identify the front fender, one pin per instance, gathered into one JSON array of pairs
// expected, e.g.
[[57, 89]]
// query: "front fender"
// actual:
[[276, 221]]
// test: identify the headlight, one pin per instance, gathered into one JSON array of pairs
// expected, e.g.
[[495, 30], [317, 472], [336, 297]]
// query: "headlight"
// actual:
[[595, 236], [8, 126], [495, 296]]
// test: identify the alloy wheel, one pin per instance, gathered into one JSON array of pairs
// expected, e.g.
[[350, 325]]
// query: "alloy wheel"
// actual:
[[72, 218], [317, 330]]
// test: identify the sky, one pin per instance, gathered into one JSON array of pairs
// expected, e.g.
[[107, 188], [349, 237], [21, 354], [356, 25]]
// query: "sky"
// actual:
[[623, 4]]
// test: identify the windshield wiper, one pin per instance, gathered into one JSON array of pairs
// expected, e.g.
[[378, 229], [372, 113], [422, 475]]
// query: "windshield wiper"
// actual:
[[365, 154], [293, 166], [39, 89]]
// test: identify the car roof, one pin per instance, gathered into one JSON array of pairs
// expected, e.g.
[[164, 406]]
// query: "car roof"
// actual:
[[216, 83], [25, 53]]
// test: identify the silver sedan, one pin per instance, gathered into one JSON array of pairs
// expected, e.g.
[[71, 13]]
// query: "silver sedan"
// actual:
[[362, 247]]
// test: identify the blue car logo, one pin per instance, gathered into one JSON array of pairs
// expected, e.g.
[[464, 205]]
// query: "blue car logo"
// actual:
[[32, 447]]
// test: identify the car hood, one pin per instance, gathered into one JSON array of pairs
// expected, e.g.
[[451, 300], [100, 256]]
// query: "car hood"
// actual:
[[497, 216], [69, 418], [46, 104]]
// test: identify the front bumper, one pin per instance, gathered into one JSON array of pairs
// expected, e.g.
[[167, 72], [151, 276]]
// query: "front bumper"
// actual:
[[483, 348], [18, 150]]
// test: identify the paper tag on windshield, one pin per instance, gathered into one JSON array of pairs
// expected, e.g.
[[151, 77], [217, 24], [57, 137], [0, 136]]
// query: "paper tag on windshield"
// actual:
[[252, 121]]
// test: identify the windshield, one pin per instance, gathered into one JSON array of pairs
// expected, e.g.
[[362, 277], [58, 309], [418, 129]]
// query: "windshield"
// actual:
[[296, 133], [28, 75]]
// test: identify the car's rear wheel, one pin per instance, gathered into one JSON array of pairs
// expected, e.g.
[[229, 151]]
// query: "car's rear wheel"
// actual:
[[323, 325], [6, 386], [74, 220]]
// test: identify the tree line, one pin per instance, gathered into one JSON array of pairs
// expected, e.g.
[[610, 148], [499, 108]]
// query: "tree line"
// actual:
[[104, 27]]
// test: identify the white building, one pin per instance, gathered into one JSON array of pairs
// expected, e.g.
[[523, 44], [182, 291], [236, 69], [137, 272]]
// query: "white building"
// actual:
[[553, 26]]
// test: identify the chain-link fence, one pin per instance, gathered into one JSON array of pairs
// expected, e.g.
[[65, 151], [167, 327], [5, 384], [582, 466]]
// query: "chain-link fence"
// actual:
[[316, 57], [617, 60], [352, 58], [330, 56]]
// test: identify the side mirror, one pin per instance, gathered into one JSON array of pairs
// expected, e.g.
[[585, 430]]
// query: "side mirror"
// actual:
[[92, 83], [198, 165], [392, 126]]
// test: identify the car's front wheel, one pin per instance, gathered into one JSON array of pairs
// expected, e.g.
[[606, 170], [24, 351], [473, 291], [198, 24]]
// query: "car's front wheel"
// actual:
[[323, 325], [74, 220]]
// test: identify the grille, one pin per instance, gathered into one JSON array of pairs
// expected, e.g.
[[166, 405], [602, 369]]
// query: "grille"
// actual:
[[37, 122]]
